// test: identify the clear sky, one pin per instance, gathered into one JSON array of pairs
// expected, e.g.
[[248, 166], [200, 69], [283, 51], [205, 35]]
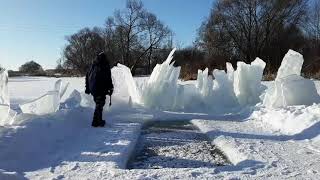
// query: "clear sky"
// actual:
[[36, 29]]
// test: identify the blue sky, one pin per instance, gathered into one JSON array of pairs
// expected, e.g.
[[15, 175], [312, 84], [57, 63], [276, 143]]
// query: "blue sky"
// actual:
[[36, 29]]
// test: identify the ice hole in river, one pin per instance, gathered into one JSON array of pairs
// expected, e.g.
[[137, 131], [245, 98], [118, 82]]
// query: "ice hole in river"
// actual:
[[174, 144]]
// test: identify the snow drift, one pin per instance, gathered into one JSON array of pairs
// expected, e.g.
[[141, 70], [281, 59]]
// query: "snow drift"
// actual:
[[289, 87], [290, 120]]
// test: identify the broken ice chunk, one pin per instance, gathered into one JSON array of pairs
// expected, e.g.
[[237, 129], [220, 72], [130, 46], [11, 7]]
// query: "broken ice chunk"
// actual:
[[46, 104], [291, 64], [247, 82]]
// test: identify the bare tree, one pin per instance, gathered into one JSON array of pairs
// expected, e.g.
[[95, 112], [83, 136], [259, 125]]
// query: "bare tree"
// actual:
[[249, 28], [313, 26], [154, 35], [126, 25], [59, 68], [136, 33], [130, 36], [82, 49]]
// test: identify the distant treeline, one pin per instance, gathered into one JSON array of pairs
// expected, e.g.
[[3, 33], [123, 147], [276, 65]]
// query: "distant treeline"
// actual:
[[235, 30], [32, 68]]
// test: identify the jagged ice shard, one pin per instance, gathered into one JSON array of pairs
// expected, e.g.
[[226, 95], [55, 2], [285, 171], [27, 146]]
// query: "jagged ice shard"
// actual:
[[6, 114], [290, 65], [227, 92], [4, 92], [289, 87], [247, 82], [73, 101], [213, 95], [204, 83], [46, 104], [60, 87], [223, 93], [133, 91], [162, 90]]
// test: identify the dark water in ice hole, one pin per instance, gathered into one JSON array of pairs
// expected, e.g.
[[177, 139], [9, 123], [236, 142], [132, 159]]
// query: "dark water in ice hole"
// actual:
[[175, 144]]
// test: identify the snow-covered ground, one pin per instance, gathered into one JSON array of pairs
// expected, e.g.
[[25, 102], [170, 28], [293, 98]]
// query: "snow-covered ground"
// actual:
[[260, 143], [266, 130]]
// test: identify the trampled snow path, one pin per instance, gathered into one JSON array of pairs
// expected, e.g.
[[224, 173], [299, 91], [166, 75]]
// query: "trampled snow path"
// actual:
[[63, 145]]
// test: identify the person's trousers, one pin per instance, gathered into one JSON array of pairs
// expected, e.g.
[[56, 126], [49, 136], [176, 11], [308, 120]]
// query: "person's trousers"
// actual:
[[100, 102]]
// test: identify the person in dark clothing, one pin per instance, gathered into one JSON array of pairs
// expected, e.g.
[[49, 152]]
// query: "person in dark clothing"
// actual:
[[99, 84]]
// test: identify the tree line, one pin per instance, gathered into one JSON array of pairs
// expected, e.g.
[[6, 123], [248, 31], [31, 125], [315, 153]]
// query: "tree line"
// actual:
[[246, 29], [235, 30]]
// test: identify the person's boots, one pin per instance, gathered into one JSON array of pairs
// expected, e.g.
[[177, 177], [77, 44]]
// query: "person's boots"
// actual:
[[95, 123], [97, 118], [101, 123], [98, 123]]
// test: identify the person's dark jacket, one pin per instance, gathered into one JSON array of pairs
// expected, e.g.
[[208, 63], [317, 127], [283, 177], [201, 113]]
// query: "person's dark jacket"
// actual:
[[98, 78]]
